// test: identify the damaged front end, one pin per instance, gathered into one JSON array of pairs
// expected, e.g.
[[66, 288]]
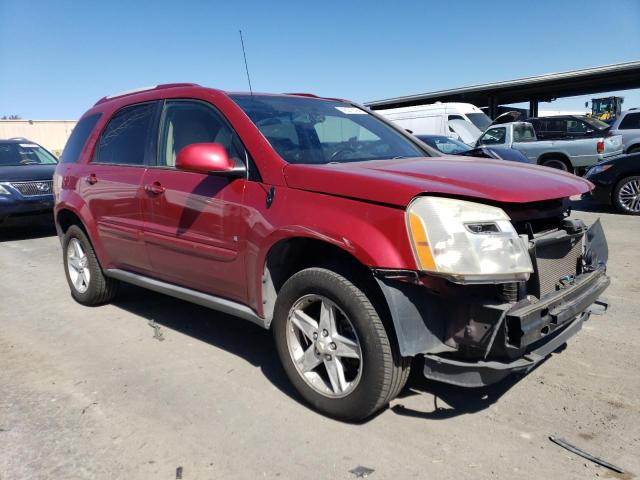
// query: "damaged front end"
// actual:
[[476, 334]]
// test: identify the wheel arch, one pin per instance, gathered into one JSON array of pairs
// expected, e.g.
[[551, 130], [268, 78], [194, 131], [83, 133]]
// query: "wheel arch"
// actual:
[[556, 156], [288, 256], [78, 213], [634, 146]]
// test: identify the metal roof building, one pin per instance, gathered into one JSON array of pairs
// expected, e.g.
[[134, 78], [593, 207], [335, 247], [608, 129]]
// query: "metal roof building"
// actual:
[[542, 88]]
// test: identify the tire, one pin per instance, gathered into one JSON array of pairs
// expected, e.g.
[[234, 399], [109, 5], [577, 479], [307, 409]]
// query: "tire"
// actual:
[[626, 195], [370, 381], [90, 287], [556, 163]]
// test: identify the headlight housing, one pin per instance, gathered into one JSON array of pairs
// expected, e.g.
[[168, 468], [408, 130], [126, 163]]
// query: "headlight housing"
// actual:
[[4, 191], [466, 242], [597, 169]]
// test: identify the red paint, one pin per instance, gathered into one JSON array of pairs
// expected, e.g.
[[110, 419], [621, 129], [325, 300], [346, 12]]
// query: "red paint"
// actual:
[[213, 232], [204, 158]]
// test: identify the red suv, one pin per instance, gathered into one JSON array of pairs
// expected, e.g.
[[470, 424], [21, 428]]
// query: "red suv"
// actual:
[[358, 245]]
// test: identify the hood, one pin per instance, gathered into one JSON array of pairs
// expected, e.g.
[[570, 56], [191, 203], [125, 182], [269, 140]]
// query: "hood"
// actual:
[[506, 117], [396, 182], [21, 173]]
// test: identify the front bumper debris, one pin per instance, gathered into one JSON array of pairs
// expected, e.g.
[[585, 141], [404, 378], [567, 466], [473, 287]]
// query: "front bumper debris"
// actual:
[[544, 326]]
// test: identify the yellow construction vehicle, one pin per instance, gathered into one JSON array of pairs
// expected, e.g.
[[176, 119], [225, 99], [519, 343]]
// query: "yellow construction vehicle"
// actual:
[[606, 108]]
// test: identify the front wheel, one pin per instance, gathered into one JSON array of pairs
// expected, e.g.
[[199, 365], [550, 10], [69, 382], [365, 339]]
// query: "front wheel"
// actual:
[[626, 195], [334, 346]]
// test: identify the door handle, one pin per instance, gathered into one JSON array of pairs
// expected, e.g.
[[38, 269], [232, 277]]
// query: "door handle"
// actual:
[[91, 179], [154, 188]]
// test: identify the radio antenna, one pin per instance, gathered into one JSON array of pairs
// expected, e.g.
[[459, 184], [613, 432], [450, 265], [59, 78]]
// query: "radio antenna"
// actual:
[[245, 63]]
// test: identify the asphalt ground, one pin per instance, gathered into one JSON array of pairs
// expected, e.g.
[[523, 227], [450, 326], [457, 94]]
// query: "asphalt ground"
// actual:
[[93, 393]]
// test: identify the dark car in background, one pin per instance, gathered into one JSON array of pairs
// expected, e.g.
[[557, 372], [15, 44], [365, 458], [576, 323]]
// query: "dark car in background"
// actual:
[[568, 127], [26, 177], [451, 146], [617, 183]]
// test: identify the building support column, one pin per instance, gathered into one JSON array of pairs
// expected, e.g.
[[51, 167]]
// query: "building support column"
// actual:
[[533, 108]]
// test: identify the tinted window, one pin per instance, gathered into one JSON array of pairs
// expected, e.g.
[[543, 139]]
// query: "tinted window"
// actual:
[[630, 121], [186, 122], [493, 136], [124, 140], [554, 125], [78, 138], [576, 126], [24, 154], [305, 130]]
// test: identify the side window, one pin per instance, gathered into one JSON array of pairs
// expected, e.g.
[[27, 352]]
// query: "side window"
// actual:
[[186, 122], [630, 122], [523, 133], [577, 126], [78, 138], [493, 136], [456, 117], [124, 140]]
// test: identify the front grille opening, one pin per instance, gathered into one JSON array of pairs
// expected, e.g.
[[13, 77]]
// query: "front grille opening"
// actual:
[[544, 330]]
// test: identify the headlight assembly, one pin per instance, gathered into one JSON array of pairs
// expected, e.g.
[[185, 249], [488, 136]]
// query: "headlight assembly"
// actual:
[[597, 169], [466, 242], [4, 191]]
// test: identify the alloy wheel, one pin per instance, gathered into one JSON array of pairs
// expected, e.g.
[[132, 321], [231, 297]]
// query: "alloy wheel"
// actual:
[[629, 195], [78, 266], [324, 346]]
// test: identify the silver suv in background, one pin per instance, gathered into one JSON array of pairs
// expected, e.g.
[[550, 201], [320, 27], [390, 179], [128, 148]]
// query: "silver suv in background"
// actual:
[[628, 125]]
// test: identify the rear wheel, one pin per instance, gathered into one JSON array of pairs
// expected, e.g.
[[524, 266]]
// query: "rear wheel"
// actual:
[[334, 346], [88, 284], [626, 195], [557, 163]]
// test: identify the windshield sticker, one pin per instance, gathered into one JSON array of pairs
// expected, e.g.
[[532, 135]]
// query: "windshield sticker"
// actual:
[[28, 145], [351, 110]]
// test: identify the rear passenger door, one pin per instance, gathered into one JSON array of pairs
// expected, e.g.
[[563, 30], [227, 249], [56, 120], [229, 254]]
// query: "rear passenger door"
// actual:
[[193, 221], [111, 184]]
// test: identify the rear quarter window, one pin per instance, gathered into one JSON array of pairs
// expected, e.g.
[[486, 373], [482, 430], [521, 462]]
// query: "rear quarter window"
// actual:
[[78, 138], [631, 121], [124, 139]]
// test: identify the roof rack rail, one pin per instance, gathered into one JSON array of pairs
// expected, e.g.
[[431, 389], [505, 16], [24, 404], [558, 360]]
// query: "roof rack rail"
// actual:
[[145, 89], [311, 95]]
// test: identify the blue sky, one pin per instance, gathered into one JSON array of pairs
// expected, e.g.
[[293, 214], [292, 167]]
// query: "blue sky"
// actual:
[[59, 57]]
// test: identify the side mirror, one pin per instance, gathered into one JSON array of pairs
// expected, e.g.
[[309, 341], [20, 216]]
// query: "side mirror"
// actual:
[[210, 158]]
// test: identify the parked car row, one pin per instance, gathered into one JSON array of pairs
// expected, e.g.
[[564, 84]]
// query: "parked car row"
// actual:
[[26, 172]]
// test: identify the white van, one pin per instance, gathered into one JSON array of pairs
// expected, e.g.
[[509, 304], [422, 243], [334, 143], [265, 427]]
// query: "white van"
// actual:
[[462, 121]]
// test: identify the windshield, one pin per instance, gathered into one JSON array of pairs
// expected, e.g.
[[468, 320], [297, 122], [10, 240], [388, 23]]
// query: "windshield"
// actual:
[[448, 146], [466, 130], [307, 130], [595, 123], [12, 154], [480, 120]]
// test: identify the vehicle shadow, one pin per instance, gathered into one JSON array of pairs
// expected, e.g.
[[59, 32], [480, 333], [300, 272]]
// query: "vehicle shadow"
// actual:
[[255, 345], [234, 335], [451, 401], [27, 228]]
